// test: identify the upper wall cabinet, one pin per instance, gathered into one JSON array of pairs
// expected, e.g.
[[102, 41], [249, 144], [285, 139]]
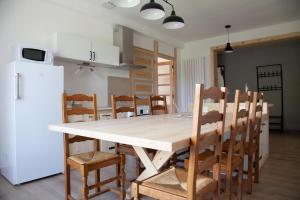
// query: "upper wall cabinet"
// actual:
[[82, 49]]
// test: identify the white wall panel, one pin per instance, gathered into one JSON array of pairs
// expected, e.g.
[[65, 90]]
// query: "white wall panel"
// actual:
[[193, 73]]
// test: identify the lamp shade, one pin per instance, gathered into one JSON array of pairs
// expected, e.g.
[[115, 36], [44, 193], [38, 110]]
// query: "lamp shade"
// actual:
[[125, 3], [152, 11], [228, 48], [173, 21]]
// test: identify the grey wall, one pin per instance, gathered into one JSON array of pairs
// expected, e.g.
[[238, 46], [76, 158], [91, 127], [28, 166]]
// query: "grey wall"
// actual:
[[241, 68]]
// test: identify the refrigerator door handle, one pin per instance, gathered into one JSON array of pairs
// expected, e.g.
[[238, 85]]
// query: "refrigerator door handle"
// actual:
[[18, 86], [91, 56]]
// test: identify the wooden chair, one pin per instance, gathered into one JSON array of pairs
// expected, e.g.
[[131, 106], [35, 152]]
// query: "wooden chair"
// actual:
[[124, 148], [179, 184], [233, 149], [90, 161], [252, 146], [155, 108]]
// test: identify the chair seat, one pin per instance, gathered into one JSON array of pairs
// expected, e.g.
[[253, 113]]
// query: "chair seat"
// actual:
[[92, 157], [174, 181]]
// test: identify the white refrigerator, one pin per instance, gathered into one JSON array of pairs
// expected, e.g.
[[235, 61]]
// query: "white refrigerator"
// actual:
[[31, 101]]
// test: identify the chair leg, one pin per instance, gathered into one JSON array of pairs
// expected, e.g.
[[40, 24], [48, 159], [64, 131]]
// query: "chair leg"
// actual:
[[135, 191], [229, 184], [67, 181], [118, 168], [97, 180], [256, 173], [122, 177], [240, 181], [174, 160], [216, 195], [85, 189], [217, 192], [250, 173], [138, 166]]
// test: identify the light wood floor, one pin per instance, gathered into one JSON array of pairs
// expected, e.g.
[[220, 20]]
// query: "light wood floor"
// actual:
[[280, 177]]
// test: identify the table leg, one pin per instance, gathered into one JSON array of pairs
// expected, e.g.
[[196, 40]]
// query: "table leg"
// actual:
[[152, 167]]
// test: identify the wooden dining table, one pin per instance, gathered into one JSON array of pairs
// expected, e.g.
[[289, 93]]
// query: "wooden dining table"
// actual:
[[165, 133]]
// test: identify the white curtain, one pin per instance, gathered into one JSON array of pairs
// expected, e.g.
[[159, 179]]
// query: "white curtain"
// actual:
[[193, 73]]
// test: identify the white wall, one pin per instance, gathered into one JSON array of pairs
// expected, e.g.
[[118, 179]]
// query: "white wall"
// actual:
[[89, 82], [202, 47]]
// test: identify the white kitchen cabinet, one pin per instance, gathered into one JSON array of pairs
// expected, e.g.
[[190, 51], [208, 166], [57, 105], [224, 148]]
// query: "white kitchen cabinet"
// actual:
[[72, 47], [77, 48], [105, 54]]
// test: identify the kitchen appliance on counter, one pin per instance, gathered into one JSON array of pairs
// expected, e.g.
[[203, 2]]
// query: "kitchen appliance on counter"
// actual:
[[32, 101]]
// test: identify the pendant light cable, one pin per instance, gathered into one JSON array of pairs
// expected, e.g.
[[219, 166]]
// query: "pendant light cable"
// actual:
[[173, 21], [227, 35], [166, 1], [228, 48]]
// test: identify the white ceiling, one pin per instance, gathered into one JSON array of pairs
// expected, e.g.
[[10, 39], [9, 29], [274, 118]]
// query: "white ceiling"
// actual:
[[206, 18]]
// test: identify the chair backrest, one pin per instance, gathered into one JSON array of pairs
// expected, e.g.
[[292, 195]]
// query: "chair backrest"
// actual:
[[214, 120], [239, 124], [123, 109], [155, 106], [255, 118], [67, 112]]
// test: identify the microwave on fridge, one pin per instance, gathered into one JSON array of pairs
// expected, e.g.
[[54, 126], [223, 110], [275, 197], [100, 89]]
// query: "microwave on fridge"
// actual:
[[35, 54]]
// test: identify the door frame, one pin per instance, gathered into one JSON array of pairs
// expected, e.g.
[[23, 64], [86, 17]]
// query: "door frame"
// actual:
[[246, 43], [156, 54], [173, 59]]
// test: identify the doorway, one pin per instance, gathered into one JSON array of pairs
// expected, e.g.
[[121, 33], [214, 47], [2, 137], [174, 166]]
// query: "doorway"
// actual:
[[166, 82]]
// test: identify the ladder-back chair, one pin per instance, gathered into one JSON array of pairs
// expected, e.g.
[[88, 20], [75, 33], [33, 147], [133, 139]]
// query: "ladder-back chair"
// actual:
[[117, 109], [158, 105], [252, 146], [179, 184], [233, 148], [89, 161]]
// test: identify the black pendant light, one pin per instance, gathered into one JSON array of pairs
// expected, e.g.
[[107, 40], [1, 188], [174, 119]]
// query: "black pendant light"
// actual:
[[152, 11], [228, 48], [173, 21]]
